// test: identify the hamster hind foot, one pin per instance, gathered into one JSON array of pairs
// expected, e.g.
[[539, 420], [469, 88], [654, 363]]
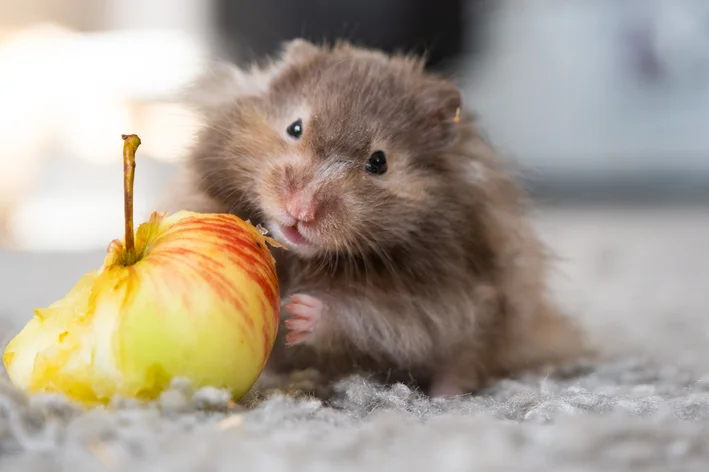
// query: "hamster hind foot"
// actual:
[[445, 384]]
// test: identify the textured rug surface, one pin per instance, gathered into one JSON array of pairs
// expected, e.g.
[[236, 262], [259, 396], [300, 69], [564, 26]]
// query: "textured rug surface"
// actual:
[[638, 279]]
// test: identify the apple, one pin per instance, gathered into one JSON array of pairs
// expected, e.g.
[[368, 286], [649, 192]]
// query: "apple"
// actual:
[[189, 295]]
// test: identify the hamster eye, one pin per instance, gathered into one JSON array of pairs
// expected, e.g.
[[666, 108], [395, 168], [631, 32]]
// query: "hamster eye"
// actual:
[[377, 163], [295, 129]]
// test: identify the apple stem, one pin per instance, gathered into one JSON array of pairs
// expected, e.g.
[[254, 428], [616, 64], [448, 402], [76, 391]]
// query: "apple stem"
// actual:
[[130, 145]]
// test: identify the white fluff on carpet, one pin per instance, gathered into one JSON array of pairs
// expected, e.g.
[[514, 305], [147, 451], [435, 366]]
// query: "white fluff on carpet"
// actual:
[[637, 278]]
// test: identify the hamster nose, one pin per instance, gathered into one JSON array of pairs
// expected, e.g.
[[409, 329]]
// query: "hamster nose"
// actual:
[[301, 208]]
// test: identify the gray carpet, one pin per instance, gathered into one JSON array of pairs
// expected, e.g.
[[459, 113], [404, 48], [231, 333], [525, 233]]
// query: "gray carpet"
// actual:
[[637, 278]]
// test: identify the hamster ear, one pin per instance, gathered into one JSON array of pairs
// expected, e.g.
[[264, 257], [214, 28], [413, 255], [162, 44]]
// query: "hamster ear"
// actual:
[[440, 101], [298, 50], [217, 86]]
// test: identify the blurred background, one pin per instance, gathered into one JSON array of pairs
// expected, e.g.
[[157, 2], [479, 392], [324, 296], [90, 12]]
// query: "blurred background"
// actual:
[[601, 102], [593, 98]]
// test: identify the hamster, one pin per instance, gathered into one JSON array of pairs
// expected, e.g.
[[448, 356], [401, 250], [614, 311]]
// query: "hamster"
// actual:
[[408, 246]]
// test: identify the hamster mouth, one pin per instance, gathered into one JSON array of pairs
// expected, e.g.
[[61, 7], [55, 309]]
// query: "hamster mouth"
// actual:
[[293, 236]]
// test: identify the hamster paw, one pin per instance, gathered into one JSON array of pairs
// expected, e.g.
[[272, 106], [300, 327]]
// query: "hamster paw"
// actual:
[[445, 384], [445, 390], [305, 314]]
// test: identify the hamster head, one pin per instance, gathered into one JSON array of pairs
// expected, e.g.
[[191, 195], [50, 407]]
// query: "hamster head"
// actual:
[[341, 151]]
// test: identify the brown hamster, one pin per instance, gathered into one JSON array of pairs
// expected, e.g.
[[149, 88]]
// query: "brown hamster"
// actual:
[[409, 247]]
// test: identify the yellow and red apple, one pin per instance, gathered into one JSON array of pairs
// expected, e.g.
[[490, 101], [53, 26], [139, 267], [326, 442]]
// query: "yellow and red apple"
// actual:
[[191, 295]]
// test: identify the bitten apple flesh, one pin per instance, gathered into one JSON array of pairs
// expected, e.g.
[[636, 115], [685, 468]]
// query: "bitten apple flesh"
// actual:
[[200, 301]]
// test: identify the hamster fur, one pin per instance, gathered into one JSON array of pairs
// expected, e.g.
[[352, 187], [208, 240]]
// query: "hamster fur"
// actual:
[[409, 248]]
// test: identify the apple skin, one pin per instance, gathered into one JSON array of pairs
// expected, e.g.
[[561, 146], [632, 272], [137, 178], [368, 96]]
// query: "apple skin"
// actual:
[[201, 302]]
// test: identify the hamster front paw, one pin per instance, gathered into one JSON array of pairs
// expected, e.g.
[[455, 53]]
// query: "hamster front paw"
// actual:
[[305, 314]]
